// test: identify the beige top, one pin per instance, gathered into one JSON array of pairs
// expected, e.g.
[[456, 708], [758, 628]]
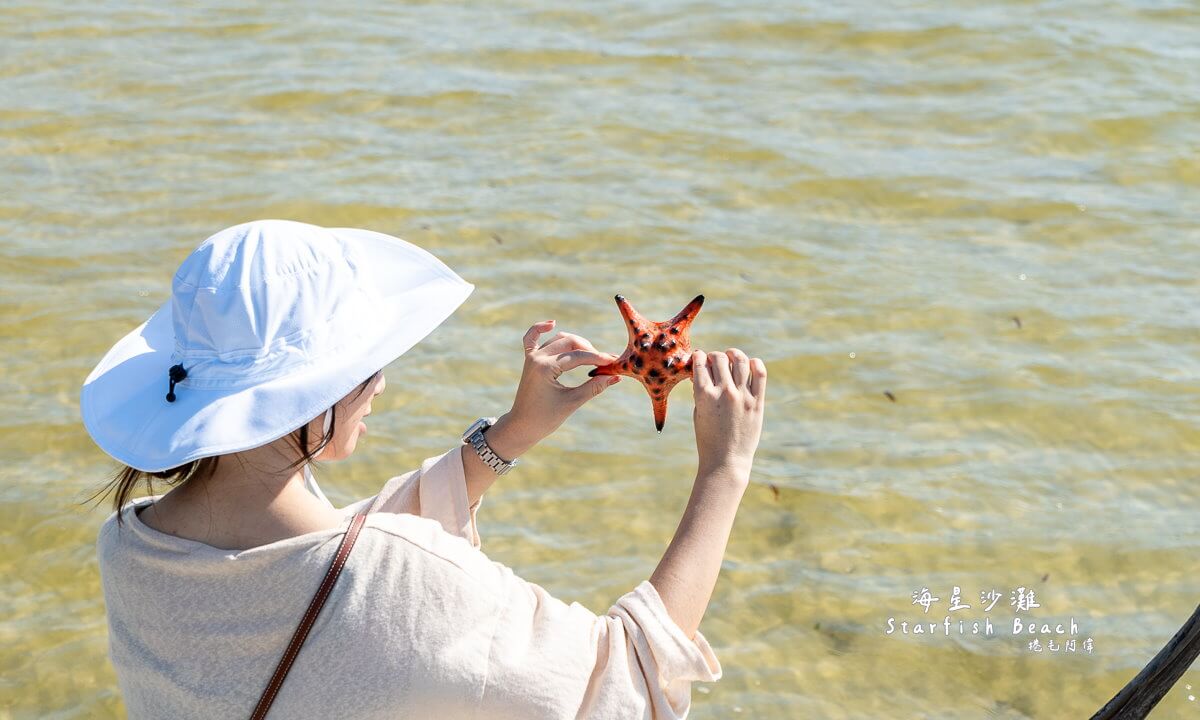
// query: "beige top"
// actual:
[[420, 624]]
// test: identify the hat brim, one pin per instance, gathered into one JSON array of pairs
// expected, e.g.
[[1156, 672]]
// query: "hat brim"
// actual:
[[123, 401]]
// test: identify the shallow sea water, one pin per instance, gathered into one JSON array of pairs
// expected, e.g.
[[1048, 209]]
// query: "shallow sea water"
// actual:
[[988, 211]]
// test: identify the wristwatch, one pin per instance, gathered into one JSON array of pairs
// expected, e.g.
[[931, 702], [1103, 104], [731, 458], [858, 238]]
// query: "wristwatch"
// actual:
[[474, 437]]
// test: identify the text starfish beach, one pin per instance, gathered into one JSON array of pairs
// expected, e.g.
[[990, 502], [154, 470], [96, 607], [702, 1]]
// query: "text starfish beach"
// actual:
[[658, 354]]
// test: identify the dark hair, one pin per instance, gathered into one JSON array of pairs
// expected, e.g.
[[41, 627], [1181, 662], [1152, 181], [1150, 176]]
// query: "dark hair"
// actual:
[[125, 480]]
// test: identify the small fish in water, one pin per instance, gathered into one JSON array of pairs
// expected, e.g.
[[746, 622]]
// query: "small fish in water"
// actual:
[[775, 492], [659, 354], [1017, 320], [499, 240], [889, 395], [1045, 577]]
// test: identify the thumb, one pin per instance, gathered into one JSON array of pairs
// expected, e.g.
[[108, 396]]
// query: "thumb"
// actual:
[[593, 387]]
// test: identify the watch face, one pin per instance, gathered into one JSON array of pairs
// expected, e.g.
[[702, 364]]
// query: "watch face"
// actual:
[[481, 422]]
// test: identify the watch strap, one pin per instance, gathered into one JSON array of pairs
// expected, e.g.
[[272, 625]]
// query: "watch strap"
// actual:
[[479, 443]]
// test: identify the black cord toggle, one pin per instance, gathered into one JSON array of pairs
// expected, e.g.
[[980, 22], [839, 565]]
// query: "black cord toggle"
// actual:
[[176, 374]]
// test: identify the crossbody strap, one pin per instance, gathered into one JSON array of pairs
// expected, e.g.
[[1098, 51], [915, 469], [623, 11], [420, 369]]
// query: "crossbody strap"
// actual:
[[310, 616]]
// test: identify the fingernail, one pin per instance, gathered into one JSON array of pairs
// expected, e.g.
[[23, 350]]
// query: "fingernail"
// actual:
[[616, 379]]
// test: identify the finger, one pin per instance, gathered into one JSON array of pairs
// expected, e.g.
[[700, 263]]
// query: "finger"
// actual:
[[556, 336], [739, 367], [701, 379], [533, 333], [590, 389], [564, 341], [758, 380], [570, 360], [719, 363]]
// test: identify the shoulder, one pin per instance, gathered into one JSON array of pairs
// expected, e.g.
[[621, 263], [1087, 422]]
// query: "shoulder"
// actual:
[[121, 555], [106, 541], [404, 539], [112, 534]]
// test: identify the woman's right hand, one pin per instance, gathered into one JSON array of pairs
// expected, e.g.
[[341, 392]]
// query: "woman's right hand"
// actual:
[[730, 393]]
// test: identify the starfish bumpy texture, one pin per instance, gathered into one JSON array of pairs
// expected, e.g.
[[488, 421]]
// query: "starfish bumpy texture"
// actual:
[[659, 354]]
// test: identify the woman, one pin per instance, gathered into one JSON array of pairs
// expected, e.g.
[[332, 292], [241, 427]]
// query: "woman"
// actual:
[[262, 350]]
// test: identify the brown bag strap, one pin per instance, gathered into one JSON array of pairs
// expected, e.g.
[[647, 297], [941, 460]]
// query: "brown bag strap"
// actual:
[[310, 616]]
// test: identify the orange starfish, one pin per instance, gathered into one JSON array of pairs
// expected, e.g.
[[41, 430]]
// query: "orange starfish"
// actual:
[[658, 354]]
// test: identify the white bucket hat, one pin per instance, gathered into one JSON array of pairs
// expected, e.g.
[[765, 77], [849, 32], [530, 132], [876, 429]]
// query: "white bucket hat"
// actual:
[[269, 324]]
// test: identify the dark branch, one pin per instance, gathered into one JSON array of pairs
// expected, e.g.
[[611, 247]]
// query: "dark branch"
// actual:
[[1138, 698]]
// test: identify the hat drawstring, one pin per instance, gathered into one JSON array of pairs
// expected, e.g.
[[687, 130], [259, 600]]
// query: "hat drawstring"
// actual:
[[176, 374]]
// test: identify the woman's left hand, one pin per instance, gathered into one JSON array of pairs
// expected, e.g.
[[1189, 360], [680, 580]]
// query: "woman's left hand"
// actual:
[[542, 402]]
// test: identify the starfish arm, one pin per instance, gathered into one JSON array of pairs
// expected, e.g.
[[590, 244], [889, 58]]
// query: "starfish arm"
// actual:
[[634, 322], [688, 313], [660, 412], [659, 388], [610, 369]]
